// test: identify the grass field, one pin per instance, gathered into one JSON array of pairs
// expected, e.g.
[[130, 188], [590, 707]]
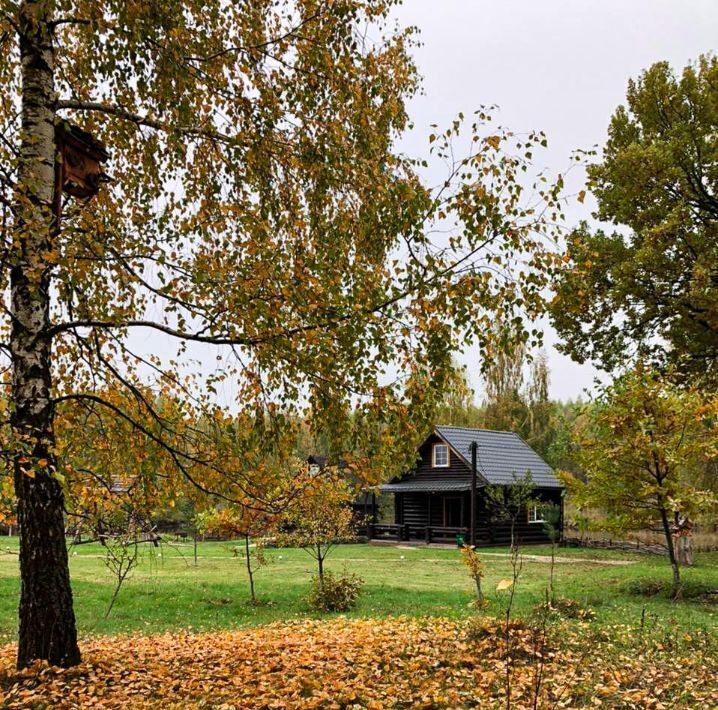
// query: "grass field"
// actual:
[[168, 592]]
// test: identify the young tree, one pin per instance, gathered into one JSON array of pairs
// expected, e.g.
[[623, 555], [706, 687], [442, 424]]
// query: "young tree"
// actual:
[[475, 566], [121, 536], [321, 519], [259, 216], [508, 503], [551, 514], [651, 289], [247, 524], [643, 447]]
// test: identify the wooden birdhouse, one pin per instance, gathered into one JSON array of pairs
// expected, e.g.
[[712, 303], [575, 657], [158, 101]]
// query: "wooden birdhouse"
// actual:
[[80, 170]]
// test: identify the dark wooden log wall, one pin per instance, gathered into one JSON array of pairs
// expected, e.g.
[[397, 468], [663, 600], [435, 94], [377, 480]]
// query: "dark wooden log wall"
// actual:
[[414, 509]]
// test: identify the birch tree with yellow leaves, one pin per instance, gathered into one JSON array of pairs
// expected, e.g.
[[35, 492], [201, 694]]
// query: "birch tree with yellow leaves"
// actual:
[[203, 197]]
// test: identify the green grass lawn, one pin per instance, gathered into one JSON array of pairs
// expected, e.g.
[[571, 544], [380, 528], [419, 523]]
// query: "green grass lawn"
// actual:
[[167, 591]]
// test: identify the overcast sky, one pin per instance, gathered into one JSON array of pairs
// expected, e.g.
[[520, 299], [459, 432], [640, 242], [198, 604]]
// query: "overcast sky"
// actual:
[[557, 65]]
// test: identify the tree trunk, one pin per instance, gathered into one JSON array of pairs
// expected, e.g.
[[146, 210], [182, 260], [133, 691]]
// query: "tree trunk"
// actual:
[[479, 591], [684, 549], [249, 569], [47, 621], [320, 563], [676, 587]]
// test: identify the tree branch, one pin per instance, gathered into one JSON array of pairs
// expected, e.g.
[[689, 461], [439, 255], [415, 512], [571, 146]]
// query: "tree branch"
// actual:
[[181, 459], [298, 330], [140, 120], [262, 45], [174, 453], [70, 21], [182, 335]]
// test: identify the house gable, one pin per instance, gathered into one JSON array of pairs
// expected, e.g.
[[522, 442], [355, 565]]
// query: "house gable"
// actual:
[[424, 471]]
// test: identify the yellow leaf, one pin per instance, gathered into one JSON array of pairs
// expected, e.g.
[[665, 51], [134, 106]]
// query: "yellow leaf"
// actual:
[[504, 584]]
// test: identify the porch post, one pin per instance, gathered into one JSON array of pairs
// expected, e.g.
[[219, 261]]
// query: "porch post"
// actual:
[[472, 531], [428, 517]]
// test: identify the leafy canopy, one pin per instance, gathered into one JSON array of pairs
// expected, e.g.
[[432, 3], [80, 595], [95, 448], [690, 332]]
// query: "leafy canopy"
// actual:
[[650, 287], [645, 445], [262, 244]]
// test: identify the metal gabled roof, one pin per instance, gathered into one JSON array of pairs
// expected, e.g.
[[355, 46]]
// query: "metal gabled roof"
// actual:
[[502, 455]]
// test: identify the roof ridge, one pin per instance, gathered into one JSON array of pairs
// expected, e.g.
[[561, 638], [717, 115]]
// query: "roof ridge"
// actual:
[[469, 428]]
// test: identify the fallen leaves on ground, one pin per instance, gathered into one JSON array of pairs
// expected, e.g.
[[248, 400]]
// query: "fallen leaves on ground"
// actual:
[[369, 663]]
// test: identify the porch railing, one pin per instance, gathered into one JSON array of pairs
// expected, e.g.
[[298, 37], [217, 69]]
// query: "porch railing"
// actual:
[[486, 535], [375, 531], [427, 533], [444, 534]]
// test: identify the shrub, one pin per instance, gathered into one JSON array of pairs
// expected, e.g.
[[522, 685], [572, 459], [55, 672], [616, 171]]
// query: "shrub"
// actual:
[[645, 587], [476, 572], [691, 590], [334, 593]]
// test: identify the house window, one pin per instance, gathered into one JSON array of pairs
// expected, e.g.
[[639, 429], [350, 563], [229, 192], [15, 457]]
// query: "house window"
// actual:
[[441, 456], [536, 513]]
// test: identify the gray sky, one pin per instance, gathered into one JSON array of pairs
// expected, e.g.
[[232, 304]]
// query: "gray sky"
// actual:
[[560, 66]]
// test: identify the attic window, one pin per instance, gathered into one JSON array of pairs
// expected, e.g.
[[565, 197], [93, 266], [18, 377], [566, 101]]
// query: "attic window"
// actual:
[[441, 456], [536, 514]]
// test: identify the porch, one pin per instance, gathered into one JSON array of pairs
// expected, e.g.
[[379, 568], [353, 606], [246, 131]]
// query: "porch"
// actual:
[[428, 534], [430, 513], [486, 535]]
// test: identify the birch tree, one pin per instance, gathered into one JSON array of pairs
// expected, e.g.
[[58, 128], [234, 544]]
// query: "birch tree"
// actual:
[[261, 235]]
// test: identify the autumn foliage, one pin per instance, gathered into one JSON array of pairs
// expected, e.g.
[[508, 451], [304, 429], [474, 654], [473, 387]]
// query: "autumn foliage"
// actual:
[[370, 664], [476, 570], [260, 217]]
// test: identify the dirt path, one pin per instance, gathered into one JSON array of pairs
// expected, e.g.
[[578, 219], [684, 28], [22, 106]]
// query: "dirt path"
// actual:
[[538, 558], [546, 559], [566, 560]]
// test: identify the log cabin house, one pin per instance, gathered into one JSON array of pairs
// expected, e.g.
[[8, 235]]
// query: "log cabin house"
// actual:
[[433, 502]]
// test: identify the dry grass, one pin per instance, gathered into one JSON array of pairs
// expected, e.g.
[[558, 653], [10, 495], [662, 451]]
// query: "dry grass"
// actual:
[[702, 541]]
